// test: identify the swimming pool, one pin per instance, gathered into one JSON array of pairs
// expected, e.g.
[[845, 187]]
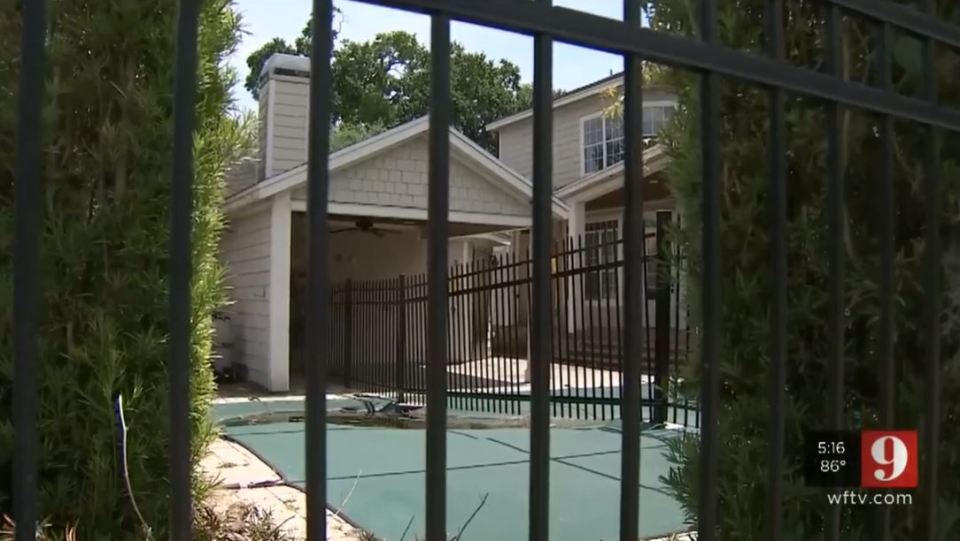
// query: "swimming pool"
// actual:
[[377, 473]]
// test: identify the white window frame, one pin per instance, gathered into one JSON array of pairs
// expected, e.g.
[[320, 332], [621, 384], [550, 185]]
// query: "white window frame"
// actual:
[[603, 136], [583, 121]]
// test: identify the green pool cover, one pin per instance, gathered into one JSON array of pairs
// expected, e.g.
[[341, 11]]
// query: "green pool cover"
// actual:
[[384, 468]]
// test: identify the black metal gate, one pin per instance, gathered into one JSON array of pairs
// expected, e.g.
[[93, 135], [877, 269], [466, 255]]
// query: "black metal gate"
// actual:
[[545, 23]]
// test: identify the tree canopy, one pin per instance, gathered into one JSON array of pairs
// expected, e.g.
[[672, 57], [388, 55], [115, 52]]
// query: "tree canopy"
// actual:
[[386, 81]]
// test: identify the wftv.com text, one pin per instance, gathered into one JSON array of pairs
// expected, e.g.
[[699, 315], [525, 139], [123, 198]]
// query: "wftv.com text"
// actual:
[[851, 497]]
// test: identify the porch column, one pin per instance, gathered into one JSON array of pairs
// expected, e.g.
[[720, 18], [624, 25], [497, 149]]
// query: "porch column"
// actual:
[[278, 370], [576, 227]]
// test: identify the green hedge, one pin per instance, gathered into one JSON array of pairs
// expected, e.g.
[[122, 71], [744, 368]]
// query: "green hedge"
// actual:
[[107, 160], [746, 263]]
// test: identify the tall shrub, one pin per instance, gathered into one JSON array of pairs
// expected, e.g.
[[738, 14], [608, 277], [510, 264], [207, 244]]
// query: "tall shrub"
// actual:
[[107, 164], [746, 277]]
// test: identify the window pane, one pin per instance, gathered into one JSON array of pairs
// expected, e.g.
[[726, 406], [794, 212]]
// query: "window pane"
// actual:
[[614, 127], [614, 140], [615, 151], [648, 125], [593, 145], [668, 113], [593, 158], [592, 131]]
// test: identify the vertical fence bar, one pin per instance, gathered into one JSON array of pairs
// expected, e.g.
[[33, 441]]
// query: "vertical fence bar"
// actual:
[[379, 308], [181, 208], [778, 320], [422, 334], [502, 296], [462, 375], [661, 352], [375, 315], [611, 263], [401, 361], [474, 288], [647, 355], [886, 219], [437, 283], [542, 301], [481, 328], [468, 374], [361, 349], [26, 288], [318, 311], [364, 350], [513, 276], [593, 339], [574, 350], [378, 320], [582, 276], [563, 372], [348, 333], [676, 280], [619, 273], [633, 241], [710, 288], [931, 287], [497, 308], [835, 226]]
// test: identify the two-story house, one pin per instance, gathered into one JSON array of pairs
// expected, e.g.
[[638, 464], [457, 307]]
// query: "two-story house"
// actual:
[[588, 173]]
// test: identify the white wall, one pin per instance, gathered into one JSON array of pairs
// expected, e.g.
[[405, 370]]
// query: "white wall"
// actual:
[[256, 251], [246, 253]]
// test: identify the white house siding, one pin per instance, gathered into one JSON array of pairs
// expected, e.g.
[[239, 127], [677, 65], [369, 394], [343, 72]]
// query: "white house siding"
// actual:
[[398, 178], [516, 140], [246, 253]]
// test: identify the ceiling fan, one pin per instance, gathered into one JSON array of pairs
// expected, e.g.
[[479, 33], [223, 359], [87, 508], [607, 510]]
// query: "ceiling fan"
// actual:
[[365, 225]]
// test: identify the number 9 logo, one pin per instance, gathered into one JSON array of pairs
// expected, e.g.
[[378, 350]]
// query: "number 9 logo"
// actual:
[[889, 458], [897, 457]]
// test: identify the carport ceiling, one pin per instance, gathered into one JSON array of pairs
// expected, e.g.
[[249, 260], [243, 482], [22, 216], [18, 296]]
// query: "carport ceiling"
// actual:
[[337, 221]]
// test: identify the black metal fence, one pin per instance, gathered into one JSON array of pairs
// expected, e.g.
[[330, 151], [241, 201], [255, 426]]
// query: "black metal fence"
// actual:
[[378, 332], [545, 23]]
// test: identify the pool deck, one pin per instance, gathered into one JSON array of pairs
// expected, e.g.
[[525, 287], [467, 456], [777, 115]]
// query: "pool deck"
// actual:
[[245, 479]]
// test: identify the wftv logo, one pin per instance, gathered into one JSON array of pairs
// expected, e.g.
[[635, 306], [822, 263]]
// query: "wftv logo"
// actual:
[[888, 459], [868, 459]]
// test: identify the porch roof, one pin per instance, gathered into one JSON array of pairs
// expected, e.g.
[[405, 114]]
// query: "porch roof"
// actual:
[[605, 181], [464, 152]]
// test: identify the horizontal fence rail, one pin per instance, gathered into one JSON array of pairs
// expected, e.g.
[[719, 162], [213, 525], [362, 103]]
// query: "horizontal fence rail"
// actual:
[[588, 344]]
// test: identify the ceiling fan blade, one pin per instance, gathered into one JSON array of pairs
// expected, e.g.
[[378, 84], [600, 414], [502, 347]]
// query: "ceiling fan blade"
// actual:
[[334, 232]]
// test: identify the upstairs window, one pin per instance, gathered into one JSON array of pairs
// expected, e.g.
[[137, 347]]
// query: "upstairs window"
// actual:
[[602, 142], [602, 137], [655, 117]]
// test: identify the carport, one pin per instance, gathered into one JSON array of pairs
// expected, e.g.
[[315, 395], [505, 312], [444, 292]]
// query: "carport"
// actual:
[[377, 220]]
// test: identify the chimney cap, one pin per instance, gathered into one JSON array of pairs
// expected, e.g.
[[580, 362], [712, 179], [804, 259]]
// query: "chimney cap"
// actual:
[[283, 61]]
